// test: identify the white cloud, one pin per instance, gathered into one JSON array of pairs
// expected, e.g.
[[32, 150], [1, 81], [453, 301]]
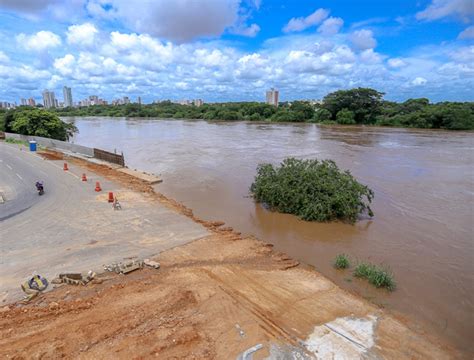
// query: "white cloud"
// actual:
[[302, 23], [58, 9], [179, 20], [83, 35], [3, 58], [42, 40], [363, 39], [65, 65], [369, 56], [331, 26], [396, 63], [419, 81], [439, 9], [467, 33], [300, 65], [249, 31], [253, 66], [142, 50]]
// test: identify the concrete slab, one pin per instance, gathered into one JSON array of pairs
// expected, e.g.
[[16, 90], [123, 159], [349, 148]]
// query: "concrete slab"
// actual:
[[149, 178]]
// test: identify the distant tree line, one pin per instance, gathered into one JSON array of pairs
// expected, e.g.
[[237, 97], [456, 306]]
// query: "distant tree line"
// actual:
[[356, 106]]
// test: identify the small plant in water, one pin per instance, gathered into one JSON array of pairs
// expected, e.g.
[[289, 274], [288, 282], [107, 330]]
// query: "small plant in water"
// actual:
[[376, 275], [341, 261]]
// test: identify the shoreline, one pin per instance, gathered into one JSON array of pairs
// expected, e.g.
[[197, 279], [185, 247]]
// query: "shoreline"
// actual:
[[217, 228]]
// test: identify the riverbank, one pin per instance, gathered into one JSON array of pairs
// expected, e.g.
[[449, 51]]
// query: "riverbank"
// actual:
[[212, 298], [418, 177]]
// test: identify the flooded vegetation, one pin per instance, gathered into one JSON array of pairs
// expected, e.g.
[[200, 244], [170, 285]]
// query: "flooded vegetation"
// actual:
[[423, 181]]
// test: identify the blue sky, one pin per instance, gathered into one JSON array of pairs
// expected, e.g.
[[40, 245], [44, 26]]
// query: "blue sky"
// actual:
[[232, 50]]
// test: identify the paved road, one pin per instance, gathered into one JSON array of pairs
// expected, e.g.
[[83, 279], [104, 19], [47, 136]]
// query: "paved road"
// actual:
[[71, 227], [17, 183]]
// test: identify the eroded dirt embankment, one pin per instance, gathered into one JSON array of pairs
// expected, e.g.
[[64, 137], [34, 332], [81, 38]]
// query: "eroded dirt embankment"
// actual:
[[212, 298]]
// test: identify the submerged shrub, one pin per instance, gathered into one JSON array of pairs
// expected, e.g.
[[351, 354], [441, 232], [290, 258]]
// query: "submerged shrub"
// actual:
[[377, 276], [341, 261], [312, 190]]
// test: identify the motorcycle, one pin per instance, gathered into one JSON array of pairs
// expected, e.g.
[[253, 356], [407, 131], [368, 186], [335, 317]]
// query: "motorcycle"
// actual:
[[40, 187]]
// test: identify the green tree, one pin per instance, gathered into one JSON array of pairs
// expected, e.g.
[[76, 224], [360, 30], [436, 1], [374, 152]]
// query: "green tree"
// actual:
[[365, 103], [345, 117], [311, 189], [322, 115], [38, 122], [304, 109]]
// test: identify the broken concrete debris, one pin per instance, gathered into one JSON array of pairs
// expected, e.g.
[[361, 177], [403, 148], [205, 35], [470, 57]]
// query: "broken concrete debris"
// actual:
[[34, 286], [129, 266], [151, 263], [124, 267], [74, 278]]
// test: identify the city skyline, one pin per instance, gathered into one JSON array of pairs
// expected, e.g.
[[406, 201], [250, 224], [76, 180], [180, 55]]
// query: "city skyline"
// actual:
[[49, 100], [234, 50]]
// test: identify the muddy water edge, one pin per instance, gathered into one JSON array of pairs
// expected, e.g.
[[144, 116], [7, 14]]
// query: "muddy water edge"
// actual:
[[424, 196]]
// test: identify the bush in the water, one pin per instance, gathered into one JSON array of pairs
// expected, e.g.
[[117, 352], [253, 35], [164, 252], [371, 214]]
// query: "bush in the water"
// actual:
[[341, 261], [377, 276], [311, 189]]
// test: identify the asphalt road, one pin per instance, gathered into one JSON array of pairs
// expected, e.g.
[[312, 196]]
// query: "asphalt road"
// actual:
[[71, 227], [17, 181]]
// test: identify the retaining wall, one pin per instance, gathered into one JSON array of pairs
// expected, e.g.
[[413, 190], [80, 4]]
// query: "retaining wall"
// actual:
[[55, 144]]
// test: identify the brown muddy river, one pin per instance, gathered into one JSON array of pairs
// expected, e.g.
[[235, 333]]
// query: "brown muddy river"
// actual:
[[424, 191]]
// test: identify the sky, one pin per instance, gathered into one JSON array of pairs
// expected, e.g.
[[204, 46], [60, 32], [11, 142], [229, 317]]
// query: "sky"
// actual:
[[234, 50]]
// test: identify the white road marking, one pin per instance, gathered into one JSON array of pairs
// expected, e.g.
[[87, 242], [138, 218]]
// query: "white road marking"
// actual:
[[19, 176], [8, 166]]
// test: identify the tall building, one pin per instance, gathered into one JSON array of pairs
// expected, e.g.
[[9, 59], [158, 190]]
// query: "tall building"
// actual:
[[198, 102], [31, 102], [272, 97], [23, 102], [49, 100], [67, 94]]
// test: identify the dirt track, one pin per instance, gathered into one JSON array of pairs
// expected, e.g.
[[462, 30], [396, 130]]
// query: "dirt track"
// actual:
[[212, 298]]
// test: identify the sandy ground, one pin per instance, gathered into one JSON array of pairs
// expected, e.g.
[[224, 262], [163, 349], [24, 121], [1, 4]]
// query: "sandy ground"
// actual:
[[211, 299]]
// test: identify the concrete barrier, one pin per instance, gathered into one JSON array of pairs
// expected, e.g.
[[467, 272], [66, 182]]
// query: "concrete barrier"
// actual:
[[55, 144]]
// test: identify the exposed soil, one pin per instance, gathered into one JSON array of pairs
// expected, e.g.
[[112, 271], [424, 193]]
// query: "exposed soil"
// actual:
[[211, 299]]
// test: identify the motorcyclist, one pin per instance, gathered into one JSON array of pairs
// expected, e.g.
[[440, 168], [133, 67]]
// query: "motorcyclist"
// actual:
[[39, 187]]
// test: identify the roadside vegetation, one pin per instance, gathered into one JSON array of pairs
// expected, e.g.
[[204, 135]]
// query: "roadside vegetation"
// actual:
[[361, 106], [312, 190], [16, 141], [36, 122], [342, 261], [378, 276]]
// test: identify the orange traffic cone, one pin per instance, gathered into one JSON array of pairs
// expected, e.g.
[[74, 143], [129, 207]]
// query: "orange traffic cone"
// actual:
[[97, 186], [111, 197], [84, 177], [65, 168]]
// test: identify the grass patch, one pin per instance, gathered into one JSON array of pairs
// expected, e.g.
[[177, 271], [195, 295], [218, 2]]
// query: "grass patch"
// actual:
[[341, 261], [376, 275], [15, 141]]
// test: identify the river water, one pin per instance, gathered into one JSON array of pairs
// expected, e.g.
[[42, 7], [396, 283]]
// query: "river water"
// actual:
[[424, 191]]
